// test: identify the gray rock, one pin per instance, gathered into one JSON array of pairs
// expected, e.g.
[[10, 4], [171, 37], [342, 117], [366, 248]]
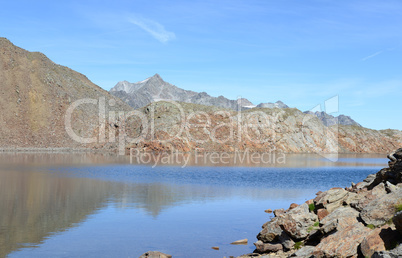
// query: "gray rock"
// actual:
[[155, 254], [331, 199], [297, 221], [397, 219], [271, 231], [382, 209], [286, 241], [267, 247], [339, 219], [394, 253], [305, 251], [365, 197]]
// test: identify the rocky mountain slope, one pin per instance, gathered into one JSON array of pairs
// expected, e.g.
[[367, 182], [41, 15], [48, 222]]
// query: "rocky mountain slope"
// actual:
[[329, 120], [189, 127], [35, 94], [155, 88], [364, 220]]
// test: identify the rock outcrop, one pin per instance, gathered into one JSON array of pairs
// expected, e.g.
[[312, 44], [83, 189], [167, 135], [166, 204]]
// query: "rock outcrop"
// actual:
[[189, 127], [361, 220]]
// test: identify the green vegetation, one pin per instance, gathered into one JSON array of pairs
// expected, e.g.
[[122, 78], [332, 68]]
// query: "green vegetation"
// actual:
[[316, 224], [398, 207], [311, 207], [370, 226], [299, 245]]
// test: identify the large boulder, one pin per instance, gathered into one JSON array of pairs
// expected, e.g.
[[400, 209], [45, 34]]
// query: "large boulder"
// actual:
[[394, 253], [397, 219], [381, 210], [339, 219], [331, 199], [297, 221], [262, 247], [379, 239], [342, 243], [270, 231], [365, 197]]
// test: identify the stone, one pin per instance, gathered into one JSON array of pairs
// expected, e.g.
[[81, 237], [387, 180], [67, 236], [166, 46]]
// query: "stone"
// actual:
[[331, 199], [293, 205], [339, 219], [279, 212], [215, 247], [352, 197], [305, 251], [322, 213], [382, 209], [310, 201], [377, 240], [268, 211], [286, 241], [297, 221], [267, 247], [240, 242], [271, 231], [155, 254], [397, 219], [342, 243], [365, 197], [394, 253]]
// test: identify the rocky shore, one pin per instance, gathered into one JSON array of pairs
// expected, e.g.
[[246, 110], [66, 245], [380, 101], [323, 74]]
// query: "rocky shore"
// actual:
[[364, 220]]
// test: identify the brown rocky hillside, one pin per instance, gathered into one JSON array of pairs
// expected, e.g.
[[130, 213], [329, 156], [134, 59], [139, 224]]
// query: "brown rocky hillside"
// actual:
[[34, 96], [208, 128]]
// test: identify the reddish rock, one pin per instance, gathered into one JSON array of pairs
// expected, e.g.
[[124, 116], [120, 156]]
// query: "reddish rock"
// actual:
[[343, 243], [279, 212], [322, 213], [268, 211], [310, 201], [378, 240], [340, 219], [382, 209], [266, 247], [293, 205]]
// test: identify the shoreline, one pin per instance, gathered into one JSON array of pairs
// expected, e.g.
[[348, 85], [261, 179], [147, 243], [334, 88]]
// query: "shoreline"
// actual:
[[363, 220]]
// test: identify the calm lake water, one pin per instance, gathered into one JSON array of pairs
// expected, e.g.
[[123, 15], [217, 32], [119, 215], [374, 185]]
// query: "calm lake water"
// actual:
[[92, 205]]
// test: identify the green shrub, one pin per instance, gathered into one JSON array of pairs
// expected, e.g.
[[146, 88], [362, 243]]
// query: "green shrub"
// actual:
[[398, 207], [316, 224], [311, 207], [299, 245], [370, 226]]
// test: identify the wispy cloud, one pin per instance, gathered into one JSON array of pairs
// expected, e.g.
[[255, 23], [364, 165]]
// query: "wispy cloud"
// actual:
[[154, 28], [373, 55], [377, 53]]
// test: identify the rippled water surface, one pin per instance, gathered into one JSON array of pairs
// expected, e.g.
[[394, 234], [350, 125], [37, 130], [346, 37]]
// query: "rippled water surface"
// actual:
[[86, 205]]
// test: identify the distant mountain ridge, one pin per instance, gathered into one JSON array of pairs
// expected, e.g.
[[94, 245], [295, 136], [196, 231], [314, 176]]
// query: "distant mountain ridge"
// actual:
[[154, 88], [329, 120], [142, 93]]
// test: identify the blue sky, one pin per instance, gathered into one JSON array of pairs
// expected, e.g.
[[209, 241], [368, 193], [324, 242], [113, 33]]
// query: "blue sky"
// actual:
[[300, 52]]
